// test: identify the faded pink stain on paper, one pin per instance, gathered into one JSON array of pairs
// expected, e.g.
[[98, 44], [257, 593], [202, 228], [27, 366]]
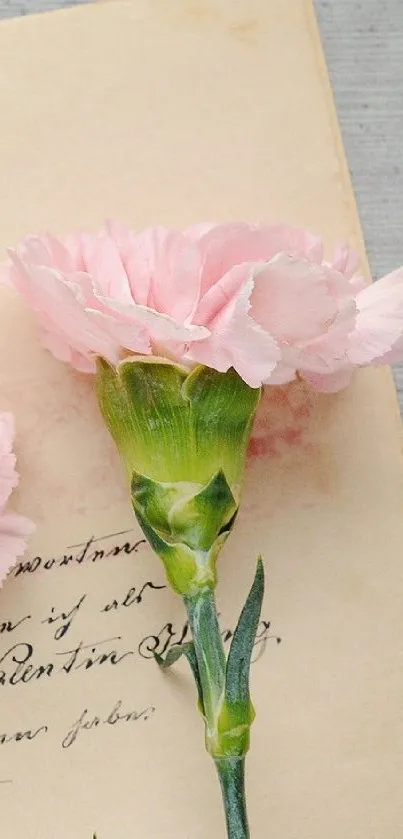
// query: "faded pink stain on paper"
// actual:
[[283, 421]]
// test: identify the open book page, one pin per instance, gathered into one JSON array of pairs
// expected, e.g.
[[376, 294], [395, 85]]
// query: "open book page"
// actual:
[[175, 113]]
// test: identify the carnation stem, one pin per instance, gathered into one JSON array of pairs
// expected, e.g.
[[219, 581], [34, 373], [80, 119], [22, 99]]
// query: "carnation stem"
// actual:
[[210, 655], [209, 649], [231, 772]]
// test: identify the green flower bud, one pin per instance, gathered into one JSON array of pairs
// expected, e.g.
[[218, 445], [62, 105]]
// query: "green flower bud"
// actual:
[[183, 438]]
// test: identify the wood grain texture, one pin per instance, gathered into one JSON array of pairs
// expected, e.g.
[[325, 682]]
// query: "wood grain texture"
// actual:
[[363, 42]]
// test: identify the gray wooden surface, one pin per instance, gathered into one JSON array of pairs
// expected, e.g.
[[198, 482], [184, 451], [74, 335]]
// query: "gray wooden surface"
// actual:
[[363, 41]]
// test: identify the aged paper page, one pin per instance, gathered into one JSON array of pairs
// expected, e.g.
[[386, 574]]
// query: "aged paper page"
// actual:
[[176, 112]]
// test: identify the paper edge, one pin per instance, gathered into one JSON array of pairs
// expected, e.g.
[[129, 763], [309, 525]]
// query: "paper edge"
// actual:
[[348, 187]]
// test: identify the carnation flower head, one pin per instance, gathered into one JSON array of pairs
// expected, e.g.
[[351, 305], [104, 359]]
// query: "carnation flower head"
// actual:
[[258, 298]]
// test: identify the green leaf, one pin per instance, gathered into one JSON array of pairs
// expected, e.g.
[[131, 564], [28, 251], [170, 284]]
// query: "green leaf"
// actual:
[[173, 655], [237, 712], [237, 694]]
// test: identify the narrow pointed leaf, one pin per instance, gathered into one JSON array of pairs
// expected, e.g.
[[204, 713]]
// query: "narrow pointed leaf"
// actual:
[[237, 694]]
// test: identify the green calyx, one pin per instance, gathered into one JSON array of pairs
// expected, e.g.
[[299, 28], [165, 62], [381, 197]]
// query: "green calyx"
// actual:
[[186, 529], [171, 425], [183, 438]]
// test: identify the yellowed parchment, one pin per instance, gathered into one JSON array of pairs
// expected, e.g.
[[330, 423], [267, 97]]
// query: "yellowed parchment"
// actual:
[[175, 112]]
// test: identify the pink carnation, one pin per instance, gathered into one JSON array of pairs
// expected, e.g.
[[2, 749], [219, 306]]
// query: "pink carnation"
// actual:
[[14, 529], [261, 299]]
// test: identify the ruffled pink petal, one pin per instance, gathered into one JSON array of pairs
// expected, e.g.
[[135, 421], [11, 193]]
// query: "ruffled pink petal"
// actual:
[[149, 259], [160, 327], [217, 247], [139, 254], [46, 250], [378, 336], [291, 299], [328, 352], [175, 283], [14, 528], [140, 262], [281, 374], [238, 341], [74, 244], [42, 250], [129, 335], [8, 474], [14, 531], [104, 265], [53, 298], [87, 246], [227, 245], [7, 431], [119, 232], [358, 283], [145, 258], [331, 382], [62, 351], [221, 293], [7, 274], [60, 256], [34, 250], [195, 232], [345, 259]]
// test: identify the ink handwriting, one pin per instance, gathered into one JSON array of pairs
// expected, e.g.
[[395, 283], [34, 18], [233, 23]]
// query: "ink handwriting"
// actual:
[[10, 626], [134, 595], [87, 552], [87, 721], [19, 664], [64, 619], [20, 736]]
